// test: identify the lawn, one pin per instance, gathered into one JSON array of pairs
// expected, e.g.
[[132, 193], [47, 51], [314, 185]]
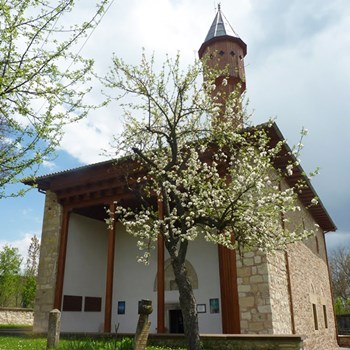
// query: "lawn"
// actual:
[[19, 343], [11, 343]]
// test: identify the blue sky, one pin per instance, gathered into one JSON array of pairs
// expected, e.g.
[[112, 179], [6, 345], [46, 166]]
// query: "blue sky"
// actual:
[[297, 69]]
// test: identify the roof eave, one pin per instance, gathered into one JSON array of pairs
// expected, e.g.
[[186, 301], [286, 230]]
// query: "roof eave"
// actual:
[[237, 40], [328, 226], [318, 211]]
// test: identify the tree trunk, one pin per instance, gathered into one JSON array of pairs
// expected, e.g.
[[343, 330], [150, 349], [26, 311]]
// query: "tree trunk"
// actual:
[[187, 304]]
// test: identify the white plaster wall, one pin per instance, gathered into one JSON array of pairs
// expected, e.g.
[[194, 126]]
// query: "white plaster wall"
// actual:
[[134, 281], [85, 275], [85, 271], [204, 258]]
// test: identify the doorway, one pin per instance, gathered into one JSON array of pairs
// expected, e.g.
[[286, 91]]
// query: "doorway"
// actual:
[[176, 323]]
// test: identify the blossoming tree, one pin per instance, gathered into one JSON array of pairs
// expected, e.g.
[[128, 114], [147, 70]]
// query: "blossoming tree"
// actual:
[[213, 177], [39, 91]]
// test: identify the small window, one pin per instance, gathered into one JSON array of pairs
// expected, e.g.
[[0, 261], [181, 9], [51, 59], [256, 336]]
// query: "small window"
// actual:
[[221, 53], [72, 303], [92, 304], [232, 53], [314, 311], [325, 316], [317, 245]]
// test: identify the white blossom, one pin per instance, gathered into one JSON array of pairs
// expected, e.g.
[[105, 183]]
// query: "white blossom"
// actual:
[[289, 169], [314, 201], [215, 180]]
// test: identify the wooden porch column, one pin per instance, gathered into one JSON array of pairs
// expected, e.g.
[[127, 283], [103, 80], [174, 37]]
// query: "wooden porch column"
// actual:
[[61, 263], [110, 272], [160, 275], [229, 293]]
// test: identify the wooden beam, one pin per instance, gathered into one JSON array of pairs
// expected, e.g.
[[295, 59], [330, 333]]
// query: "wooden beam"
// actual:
[[61, 259], [76, 202], [115, 184], [110, 272], [99, 172], [229, 293], [160, 275]]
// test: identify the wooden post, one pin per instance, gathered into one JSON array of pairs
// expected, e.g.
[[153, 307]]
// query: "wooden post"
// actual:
[[110, 272], [160, 275], [61, 259], [229, 292]]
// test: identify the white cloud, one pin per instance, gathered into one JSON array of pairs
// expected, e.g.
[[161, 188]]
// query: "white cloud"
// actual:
[[86, 139], [162, 26], [48, 164]]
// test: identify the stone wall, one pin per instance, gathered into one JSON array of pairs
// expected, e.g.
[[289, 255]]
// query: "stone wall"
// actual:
[[311, 290], [16, 316], [280, 288], [279, 293], [253, 293], [46, 281]]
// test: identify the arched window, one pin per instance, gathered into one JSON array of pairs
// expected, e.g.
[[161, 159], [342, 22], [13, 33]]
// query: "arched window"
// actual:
[[169, 277]]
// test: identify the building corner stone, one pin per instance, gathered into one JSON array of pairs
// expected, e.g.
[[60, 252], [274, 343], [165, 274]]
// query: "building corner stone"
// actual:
[[46, 281]]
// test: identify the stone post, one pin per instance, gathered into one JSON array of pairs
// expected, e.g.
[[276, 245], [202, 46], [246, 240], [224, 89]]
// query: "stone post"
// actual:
[[53, 334], [143, 325]]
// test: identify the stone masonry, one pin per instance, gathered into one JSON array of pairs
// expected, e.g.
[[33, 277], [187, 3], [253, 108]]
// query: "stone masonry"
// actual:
[[253, 293], [278, 288], [46, 281], [16, 316], [311, 289], [266, 306], [279, 293]]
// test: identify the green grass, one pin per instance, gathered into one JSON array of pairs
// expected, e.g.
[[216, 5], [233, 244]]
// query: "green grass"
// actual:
[[16, 326], [11, 343], [19, 343]]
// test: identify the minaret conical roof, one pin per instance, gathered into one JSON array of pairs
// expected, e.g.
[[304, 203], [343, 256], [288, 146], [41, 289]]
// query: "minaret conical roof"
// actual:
[[221, 30], [220, 27]]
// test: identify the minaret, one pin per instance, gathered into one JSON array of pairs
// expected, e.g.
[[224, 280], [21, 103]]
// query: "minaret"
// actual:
[[225, 49]]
